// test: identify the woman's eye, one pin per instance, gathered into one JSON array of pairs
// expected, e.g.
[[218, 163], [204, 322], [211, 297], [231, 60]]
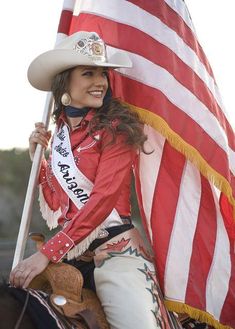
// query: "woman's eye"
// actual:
[[105, 74], [88, 73]]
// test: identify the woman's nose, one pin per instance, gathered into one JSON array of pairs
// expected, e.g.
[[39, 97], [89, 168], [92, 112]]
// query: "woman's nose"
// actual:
[[100, 80]]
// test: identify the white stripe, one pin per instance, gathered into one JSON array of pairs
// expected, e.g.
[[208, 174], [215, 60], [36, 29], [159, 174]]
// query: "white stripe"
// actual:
[[123, 12], [60, 37], [149, 167], [220, 272], [181, 9], [185, 100], [180, 247], [69, 4]]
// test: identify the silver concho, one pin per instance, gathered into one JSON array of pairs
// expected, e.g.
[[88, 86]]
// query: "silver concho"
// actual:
[[59, 300], [93, 47]]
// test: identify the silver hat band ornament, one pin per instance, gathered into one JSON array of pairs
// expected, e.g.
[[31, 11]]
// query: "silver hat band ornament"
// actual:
[[92, 47]]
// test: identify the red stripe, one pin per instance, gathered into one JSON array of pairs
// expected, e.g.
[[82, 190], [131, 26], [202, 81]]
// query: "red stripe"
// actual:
[[203, 248], [168, 16], [182, 124], [227, 314], [65, 22], [124, 37], [164, 204]]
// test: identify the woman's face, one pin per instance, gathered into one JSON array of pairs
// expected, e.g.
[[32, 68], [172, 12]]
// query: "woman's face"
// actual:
[[88, 86]]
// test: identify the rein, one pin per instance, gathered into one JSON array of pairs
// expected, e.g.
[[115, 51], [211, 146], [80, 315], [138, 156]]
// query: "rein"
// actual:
[[17, 325]]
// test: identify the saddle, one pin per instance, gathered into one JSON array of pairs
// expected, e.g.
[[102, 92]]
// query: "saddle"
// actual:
[[76, 307]]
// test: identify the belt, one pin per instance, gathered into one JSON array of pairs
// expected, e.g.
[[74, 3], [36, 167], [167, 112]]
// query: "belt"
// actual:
[[111, 232], [104, 232]]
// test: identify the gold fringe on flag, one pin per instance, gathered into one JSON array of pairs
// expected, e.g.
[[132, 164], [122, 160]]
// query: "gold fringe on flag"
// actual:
[[194, 313], [187, 150]]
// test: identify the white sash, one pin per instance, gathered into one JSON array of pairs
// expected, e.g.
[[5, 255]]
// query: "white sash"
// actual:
[[76, 185]]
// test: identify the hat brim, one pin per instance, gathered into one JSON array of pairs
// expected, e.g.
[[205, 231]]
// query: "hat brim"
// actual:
[[47, 65]]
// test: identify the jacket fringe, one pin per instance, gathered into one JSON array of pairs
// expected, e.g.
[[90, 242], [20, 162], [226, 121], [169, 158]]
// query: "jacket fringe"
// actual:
[[51, 217], [82, 246]]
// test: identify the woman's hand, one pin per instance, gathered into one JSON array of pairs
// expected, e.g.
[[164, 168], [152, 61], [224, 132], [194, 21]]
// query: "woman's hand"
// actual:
[[27, 269], [38, 136]]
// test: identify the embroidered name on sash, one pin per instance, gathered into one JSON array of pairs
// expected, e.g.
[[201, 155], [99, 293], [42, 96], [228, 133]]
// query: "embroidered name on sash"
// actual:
[[72, 184], [61, 150]]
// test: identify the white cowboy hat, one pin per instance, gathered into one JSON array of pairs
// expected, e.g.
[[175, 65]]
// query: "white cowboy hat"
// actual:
[[80, 48]]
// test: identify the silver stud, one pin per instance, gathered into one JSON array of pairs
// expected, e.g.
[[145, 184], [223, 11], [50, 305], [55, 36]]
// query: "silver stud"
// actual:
[[67, 245], [61, 252], [103, 234], [51, 250], [54, 258]]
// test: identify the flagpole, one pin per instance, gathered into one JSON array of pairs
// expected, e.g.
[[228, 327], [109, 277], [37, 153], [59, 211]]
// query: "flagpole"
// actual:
[[30, 193], [32, 184]]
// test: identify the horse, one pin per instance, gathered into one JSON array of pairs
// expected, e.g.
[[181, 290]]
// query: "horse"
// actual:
[[11, 310], [55, 299]]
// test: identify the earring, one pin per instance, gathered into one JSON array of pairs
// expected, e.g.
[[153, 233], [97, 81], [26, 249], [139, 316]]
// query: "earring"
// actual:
[[66, 99]]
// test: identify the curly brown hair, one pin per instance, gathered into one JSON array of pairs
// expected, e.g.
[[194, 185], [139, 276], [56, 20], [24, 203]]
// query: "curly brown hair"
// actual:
[[113, 115]]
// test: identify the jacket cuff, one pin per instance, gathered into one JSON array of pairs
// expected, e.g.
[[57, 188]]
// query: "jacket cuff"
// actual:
[[57, 247]]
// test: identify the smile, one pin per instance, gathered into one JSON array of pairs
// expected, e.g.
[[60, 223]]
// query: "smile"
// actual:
[[96, 93]]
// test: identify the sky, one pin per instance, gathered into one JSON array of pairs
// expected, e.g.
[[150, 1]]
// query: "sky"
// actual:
[[29, 28]]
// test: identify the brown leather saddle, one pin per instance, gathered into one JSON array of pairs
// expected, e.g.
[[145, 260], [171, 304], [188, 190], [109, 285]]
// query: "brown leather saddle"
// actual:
[[76, 307]]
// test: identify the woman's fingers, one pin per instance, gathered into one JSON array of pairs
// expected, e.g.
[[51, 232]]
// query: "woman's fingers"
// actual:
[[29, 278], [18, 275], [26, 270], [38, 136], [20, 278], [39, 124], [15, 277]]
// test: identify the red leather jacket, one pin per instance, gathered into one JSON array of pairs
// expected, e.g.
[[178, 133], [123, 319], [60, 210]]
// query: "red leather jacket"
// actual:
[[108, 167]]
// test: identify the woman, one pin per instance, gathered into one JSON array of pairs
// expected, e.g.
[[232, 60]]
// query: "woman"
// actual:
[[85, 185]]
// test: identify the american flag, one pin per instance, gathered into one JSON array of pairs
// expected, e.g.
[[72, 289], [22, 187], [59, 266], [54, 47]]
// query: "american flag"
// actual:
[[179, 185]]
